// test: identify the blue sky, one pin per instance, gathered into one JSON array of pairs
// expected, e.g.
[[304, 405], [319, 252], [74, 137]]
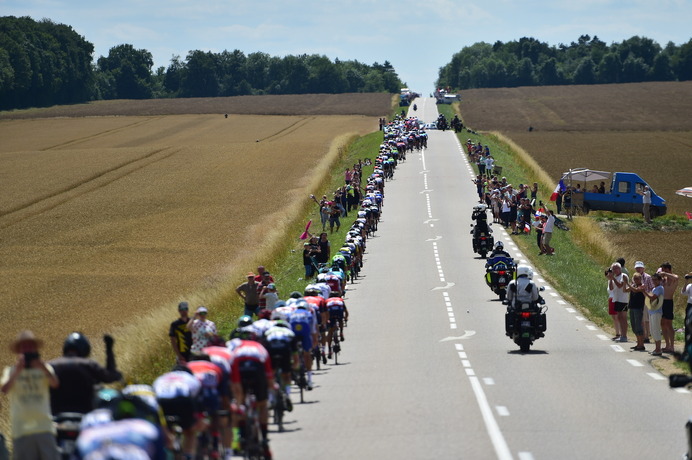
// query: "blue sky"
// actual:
[[417, 37]]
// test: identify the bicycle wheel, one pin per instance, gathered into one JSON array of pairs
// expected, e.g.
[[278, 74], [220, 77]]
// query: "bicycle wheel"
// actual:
[[279, 409]]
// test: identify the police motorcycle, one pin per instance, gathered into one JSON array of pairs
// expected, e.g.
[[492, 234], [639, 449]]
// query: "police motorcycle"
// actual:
[[525, 319], [482, 234], [499, 270], [684, 380]]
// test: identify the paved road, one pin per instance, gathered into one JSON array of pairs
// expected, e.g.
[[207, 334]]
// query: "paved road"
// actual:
[[428, 372]]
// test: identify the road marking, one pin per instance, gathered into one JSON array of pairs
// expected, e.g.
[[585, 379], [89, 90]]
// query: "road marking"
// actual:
[[502, 411], [525, 456], [445, 294], [591, 328], [580, 318], [430, 220], [635, 363], [440, 288], [547, 288], [682, 390], [452, 326], [561, 302], [657, 376], [470, 372], [570, 310], [450, 308], [617, 348], [602, 337], [466, 363], [462, 354], [554, 294], [541, 280], [499, 443], [437, 238], [451, 314], [426, 191], [458, 346], [488, 381]]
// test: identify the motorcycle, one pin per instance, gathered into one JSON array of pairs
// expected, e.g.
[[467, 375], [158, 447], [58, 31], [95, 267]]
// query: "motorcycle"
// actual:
[[483, 241], [499, 272], [526, 322]]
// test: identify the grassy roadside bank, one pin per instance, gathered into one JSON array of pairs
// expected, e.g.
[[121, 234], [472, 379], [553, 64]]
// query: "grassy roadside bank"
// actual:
[[281, 254]]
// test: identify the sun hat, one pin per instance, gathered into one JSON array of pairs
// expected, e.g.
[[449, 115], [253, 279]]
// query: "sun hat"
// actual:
[[202, 310], [23, 337], [639, 264]]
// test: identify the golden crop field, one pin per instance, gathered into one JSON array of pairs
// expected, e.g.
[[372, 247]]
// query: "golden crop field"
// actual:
[[643, 128], [104, 220]]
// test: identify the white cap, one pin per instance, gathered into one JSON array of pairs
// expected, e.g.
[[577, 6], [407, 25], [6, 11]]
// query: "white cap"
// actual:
[[639, 264]]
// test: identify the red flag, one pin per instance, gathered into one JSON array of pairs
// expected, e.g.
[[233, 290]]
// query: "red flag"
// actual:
[[304, 235]]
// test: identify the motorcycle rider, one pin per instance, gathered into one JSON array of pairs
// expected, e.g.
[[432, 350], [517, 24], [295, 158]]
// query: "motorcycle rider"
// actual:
[[499, 251], [481, 219], [522, 290], [78, 374]]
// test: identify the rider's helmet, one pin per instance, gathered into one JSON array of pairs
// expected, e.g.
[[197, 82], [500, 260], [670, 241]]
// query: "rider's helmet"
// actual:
[[282, 323], [243, 333], [334, 294], [295, 295], [278, 315], [244, 320], [76, 344], [524, 270], [302, 304], [499, 246], [312, 291]]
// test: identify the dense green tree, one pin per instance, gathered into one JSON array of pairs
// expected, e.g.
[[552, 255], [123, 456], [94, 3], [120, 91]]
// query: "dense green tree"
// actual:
[[130, 70]]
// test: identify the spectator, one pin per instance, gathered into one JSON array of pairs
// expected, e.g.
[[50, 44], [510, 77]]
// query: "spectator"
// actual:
[[617, 284], [325, 252], [687, 291], [261, 270], [180, 335], [348, 176], [654, 305], [270, 296], [266, 281], [203, 331], [648, 283], [548, 234], [534, 193], [646, 204], [636, 308], [489, 165], [669, 281], [601, 188], [27, 385], [611, 306], [250, 295], [334, 214], [309, 261]]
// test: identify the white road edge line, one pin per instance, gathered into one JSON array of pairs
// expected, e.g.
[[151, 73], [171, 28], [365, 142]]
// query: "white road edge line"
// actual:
[[496, 437], [635, 363]]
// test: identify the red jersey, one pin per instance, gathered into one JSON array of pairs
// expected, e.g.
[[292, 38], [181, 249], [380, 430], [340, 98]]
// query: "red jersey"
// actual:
[[221, 356], [317, 302], [249, 350], [208, 373]]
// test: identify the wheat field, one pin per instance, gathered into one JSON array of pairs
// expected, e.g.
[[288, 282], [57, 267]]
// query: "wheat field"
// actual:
[[105, 220]]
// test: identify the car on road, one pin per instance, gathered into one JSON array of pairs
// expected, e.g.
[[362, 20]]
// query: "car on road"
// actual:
[[432, 125]]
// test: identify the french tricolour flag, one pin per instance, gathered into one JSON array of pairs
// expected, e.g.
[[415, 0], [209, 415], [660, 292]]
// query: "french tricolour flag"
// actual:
[[560, 188]]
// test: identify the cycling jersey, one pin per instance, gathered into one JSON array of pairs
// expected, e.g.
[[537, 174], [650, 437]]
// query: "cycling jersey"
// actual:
[[210, 376], [281, 344], [248, 350], [176, 384], [318, 303], [139, 434], [304, 324]]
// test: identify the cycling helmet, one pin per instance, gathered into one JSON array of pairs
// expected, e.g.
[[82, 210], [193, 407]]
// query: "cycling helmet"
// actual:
[[76, 344], [279, 315], [282, 323], [499, 246], [524, 270], [105, 396], [243, 334], [302, 304], [244, 320], [296, 295], [334, 294], [312, 291]]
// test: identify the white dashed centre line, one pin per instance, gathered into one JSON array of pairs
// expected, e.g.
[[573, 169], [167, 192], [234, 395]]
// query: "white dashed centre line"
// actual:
[[502, 411], [635, 363]]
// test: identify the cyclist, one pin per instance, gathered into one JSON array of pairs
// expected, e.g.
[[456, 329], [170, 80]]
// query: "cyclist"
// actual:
[[178, 395], [123, 426], [221, 356], [282, 345], [210, 376], [78, 375], [304, 324], [251, 370], [338, 313], [319, 307]]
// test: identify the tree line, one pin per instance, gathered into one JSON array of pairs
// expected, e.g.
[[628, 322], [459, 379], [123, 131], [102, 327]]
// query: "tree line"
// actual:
[[43, 64], [529, 62]]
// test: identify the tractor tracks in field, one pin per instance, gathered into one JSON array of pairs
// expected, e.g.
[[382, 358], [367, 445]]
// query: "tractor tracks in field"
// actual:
[[87, 185], [107, 132], [287, 130]]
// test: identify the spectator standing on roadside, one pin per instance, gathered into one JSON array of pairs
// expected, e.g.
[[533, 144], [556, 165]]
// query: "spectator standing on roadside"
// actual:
[[548, 227], [655, 312], [250, 295], [670, 284], [618, 283], [687, 291], [266, 281], [203, 331], [270, 296], [180, 335], [534, 193], [27, 385], [325, 253], [489, 165], [648, 284], [309, 254], [261, 270], [636, 308]]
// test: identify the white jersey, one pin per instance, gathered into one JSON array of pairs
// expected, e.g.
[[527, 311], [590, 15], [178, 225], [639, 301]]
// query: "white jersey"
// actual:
[[175, 384]]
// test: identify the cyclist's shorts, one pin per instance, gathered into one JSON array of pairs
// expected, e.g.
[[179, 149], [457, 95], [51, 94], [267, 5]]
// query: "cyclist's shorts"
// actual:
[[280, 353], [334, 318], [225, 384], [254, 379], [210, 400], [302, 331], [183, 407]]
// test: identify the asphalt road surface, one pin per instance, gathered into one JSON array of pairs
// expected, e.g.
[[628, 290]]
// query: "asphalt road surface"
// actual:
[[427, 372]]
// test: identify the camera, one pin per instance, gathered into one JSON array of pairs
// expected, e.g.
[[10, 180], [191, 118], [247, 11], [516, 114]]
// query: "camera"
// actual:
[[608, 271], [29, 357]]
